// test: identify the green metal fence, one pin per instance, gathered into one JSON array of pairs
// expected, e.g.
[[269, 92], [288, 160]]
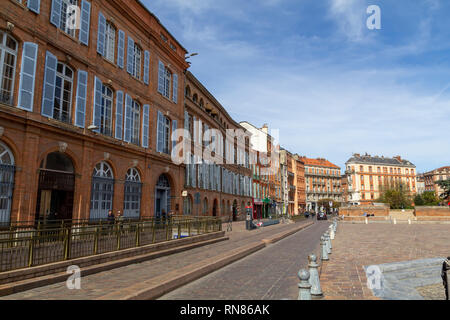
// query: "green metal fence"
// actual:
[[23, 248]]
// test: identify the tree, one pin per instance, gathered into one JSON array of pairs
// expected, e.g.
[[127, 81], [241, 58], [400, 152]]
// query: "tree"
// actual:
[[444, 184], [428, 198], [397, 196]]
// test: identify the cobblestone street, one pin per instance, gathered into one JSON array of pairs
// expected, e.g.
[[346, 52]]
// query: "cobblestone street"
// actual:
[[270, 274], [358, 245]]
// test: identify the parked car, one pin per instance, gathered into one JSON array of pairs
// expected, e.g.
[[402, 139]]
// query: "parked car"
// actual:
[[322, 216]]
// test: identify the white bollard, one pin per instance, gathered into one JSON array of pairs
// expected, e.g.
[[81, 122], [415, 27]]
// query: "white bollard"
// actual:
[[395, 221], [367, 221], [409, 221], [304, 292]]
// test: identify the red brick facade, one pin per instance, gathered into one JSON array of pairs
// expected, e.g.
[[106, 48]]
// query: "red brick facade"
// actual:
[[31, 136]]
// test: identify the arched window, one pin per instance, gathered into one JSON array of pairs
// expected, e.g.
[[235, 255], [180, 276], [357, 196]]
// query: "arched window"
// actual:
[[201, 103], [195, 97], [102, 191], [63, 93], [8, 57], [188, 91], [106, 111], [132, 194], [162, 196], [7, 170]]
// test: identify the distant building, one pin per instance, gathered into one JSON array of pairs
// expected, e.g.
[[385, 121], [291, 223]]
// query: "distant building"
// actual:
[[323, 181], [420, 183], [367, 176], [431, 178]]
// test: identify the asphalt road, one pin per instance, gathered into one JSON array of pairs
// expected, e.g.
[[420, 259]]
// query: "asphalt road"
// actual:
[[269, 274]]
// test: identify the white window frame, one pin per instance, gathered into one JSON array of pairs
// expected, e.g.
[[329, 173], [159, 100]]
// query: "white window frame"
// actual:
[[3, 51], [106, 112], [135, 122], [64, 78], [110, 41], [62, 24], [137, 61]]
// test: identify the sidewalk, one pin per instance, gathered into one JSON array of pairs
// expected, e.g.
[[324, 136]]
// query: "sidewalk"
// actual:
[[358, 245], [116, 281]]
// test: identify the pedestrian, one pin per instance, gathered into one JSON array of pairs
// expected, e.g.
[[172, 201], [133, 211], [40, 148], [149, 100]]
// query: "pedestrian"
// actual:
[[119, 221], [111, 219]]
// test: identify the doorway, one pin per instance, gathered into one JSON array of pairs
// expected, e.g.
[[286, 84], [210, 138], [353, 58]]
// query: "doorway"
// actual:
[[162, 197], [56, 188]]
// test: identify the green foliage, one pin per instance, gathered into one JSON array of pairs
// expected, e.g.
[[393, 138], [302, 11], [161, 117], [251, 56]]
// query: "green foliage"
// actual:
[[444, 184], [428, 198], [398, 197]]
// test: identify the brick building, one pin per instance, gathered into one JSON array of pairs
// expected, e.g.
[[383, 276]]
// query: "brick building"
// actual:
[[300, 185], [222, 187], [323, 181], [432, 177], [369, 175], [86, 114]]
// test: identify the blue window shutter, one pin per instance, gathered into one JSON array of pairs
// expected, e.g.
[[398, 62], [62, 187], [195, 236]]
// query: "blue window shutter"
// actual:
[[119, 115], [80, 113], [55, 16], [121, 49], [96, 115], [101, 34], [174, 128], [48, 94], [145, 125], [34, 5], [175, 88], [146, 67], [85, 22], [128, 102], [161, 77], [130, 55], [27, 76]]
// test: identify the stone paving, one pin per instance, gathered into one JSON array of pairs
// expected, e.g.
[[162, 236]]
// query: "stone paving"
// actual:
[[358, 246], [97, 285], [269, 274]]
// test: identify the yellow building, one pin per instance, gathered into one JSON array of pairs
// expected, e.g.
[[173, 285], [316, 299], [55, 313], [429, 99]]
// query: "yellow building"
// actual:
[[368, 175]]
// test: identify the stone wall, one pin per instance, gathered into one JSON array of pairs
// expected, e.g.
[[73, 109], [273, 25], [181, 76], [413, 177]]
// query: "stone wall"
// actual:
[[355, 211], [432, 212]]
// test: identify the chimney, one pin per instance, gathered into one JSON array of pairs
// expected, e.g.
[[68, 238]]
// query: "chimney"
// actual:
[[398, 158], [265, 128], [357, 155]]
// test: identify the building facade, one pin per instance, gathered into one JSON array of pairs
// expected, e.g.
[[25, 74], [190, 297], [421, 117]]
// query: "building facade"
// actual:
[[218, 177], [431, 178], [266, 172], [323, 182], [368, 176], [86, 114], [300, 185]]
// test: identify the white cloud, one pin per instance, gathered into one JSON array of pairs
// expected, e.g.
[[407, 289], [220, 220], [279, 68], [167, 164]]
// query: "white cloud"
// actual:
[[349, 16]]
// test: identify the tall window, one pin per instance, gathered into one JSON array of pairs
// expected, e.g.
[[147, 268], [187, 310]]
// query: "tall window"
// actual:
[[102, 191], [167, 79], [132, 195], [66, 16], [7, 170], [110, 41], [63, 93], [106, 111], [8, 54], [163, 133], [137, 61], [135, 122]]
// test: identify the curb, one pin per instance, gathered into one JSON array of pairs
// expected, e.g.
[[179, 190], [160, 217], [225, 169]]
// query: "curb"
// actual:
[[159, 286], [28, 284]]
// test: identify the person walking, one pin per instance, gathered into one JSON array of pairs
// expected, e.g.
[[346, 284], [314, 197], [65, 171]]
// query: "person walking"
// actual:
[[111, 220]]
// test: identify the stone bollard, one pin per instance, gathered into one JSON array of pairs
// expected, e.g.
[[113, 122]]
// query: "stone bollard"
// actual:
[[409, 221], [304, 292], [332, 234], [367, 221], [324, 249], [327, 242], [314, 280], [395, 221]]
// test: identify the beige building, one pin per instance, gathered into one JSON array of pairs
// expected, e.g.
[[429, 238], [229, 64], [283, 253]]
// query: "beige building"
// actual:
[[431, 178], [368, 175]]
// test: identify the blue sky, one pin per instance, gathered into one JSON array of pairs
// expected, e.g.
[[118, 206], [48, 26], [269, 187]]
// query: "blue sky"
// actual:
[[314, 71]]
